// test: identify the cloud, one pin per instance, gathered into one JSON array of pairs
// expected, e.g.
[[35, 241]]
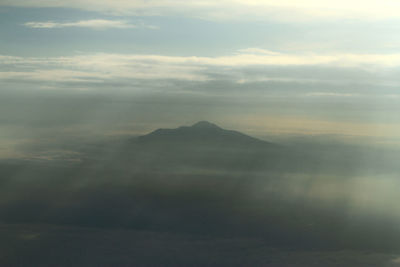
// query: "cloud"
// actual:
[[396, 260], [330, 94], [93, 24], [98, 68], [246, 66], [308, 125], [286, 10], [260, 51], [319, 87]]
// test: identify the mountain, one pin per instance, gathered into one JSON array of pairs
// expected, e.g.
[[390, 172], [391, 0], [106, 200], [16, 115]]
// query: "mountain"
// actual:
[[202, 133], [203, 145]]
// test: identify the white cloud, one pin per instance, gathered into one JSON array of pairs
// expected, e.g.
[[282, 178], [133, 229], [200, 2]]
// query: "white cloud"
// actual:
[[288, 10], [93, 24], [256, 50], [101, 67]]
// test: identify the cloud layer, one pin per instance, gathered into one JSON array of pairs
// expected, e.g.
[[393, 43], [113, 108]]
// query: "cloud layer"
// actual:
[[264, 91], [233, 9], [93, 24], [103, 66]]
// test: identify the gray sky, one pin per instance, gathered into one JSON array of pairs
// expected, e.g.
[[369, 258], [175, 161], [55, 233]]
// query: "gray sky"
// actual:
[[84, 68]]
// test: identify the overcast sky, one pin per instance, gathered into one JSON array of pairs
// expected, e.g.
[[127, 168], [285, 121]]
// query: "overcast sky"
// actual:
[[263, 67]]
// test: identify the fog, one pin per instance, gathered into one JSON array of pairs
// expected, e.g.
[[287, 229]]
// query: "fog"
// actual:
[[191, 133], [325, 196], [79, 161]]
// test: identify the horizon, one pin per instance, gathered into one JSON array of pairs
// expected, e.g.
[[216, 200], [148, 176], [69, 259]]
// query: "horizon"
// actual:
[[74, 69], [199, 133]]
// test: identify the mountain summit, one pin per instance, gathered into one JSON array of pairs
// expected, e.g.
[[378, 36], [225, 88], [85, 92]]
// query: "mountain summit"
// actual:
[[205, 125]]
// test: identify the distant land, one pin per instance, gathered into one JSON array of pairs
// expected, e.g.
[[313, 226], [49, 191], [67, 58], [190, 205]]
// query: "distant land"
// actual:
[[199, 189]]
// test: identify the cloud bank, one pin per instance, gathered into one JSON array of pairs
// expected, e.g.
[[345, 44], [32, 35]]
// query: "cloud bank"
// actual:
[[93, 24], [287, 10], [102, 66]]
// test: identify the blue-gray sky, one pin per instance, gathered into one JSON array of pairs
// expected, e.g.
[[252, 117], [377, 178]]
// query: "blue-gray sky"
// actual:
[[263, 67]]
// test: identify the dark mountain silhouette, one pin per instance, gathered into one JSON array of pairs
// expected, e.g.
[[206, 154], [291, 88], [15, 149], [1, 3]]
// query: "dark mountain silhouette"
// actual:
[[202, 133], [201, 145]]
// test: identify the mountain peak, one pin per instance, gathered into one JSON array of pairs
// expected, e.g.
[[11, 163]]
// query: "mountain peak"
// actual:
[[203, 133], [205, 125]]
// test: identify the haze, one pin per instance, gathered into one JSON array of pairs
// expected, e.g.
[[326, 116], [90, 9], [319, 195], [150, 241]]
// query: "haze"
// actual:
[[310, 89]]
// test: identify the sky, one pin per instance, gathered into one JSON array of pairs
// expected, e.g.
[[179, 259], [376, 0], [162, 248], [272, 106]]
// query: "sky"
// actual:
[[90, 68]]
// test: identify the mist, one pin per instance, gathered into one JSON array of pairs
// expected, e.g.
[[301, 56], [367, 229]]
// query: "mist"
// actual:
[[234, 133], [327, 196]]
